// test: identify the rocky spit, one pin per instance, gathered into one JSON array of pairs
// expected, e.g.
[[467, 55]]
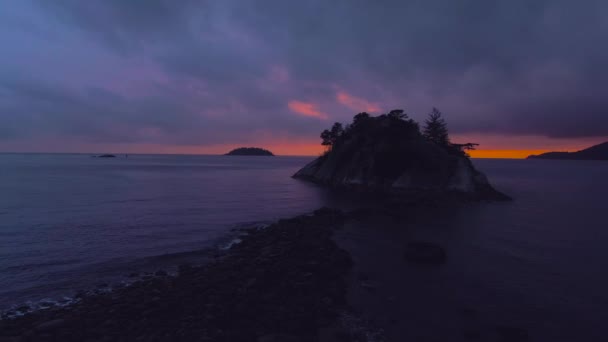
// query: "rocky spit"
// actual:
[[286, 282], [291, 281]]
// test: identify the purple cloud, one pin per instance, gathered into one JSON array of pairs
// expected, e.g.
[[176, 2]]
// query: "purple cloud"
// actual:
[[209, 73]]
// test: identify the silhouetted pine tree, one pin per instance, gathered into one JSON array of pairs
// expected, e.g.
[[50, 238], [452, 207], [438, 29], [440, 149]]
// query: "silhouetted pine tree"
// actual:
[[435, 129], [329, 137]]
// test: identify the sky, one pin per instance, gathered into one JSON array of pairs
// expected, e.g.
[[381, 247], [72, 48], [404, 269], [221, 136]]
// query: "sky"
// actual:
[[186, 76]]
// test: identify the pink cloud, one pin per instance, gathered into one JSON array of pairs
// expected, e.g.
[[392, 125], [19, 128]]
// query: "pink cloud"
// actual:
[[306, 109], [356, 103]]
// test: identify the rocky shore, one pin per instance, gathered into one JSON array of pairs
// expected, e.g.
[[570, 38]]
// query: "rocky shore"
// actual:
[[286, 282]]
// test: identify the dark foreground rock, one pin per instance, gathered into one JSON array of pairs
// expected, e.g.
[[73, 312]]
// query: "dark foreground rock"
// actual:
[[512, 334], [285, 282], [425, 253]]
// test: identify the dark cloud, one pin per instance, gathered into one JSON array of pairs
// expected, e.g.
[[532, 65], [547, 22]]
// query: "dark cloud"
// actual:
[[126, 25], [210, 72]]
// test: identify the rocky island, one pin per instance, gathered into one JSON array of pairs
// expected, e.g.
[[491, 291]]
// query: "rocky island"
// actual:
[[249, 151], [389, 153], [596, 152]]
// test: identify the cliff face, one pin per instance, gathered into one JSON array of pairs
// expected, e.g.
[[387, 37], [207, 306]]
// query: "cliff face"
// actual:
[[421, 168]]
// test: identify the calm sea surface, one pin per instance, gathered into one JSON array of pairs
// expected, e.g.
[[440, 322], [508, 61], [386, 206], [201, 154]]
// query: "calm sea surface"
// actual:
[[72, 221], [537, 263]]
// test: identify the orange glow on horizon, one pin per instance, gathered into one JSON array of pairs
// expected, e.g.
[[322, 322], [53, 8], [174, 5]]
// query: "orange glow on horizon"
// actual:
[[283, 144], [278, 148], [504, 154]]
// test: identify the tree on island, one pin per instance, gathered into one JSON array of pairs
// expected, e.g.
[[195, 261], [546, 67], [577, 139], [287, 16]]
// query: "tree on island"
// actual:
[[466, 146], [330, 137], [397, 114], [395, 124], [397, 128], [436, 129]]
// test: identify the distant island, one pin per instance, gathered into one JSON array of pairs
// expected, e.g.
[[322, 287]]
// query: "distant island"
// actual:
[[596, 152], [389, 153], [105, 156], [249, 151]]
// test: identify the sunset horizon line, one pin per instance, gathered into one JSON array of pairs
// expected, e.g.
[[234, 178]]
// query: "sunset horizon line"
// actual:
[[474, 154]]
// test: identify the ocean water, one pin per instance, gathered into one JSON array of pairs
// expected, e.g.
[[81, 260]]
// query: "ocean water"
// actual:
[[536, 264], [71, 221]]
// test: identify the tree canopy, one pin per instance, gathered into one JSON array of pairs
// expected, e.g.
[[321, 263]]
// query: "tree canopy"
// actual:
[[435, 129], [395, 128], [332, 135]]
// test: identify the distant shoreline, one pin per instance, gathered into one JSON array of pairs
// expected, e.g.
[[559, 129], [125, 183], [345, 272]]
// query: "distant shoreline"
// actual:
[[250, 151], [147, 154], [88, 154], [595, 152]]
